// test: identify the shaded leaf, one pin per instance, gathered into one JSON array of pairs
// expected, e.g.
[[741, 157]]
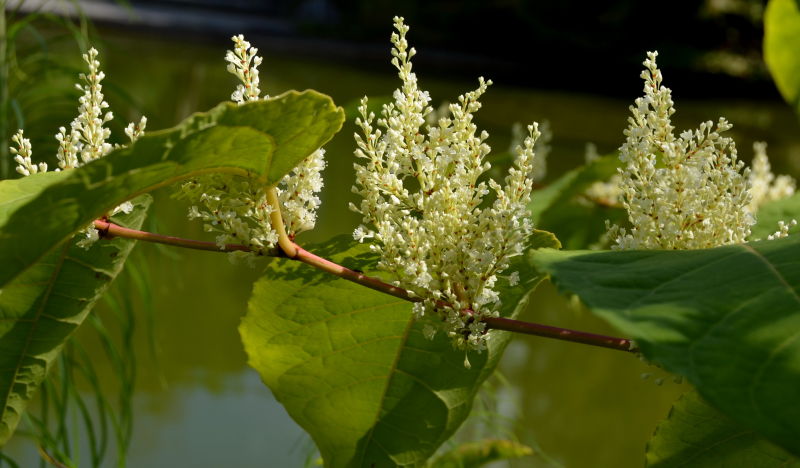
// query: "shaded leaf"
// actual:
[[546, 201], [353, 368], [562, 208], [41, 308], [695, 434], [262, 139], [781, 46], [477, 454], [726, 318]]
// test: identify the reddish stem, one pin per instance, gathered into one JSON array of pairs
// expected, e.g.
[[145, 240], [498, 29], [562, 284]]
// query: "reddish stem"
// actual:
[[109, 230]]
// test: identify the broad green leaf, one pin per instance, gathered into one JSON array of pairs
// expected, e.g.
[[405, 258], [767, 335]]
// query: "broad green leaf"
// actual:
[[41, 308], [477, 454], [263, 140], [726, 318], [782, 47], [353, 368], [695, 434], [562, 208], [770, 213]]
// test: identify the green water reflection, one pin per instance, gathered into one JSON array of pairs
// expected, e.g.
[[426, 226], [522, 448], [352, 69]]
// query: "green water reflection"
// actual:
[[198, 404]]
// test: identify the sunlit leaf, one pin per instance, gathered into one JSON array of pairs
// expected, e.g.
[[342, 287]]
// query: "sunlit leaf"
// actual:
[[353, 368], [263, 140], [781, 46], [726, 318]]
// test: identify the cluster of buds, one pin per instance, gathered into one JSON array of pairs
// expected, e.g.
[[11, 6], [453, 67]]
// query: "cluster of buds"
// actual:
[[236, 209], [86, 139], [684, 192], [426, 210]]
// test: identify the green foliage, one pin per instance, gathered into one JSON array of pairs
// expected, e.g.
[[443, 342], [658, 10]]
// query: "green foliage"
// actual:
[[354, 369], [695, 434], [263, 140], [770, 213], [43, 306], [562, 208], [726, 318], [477, 454], [782, 47]]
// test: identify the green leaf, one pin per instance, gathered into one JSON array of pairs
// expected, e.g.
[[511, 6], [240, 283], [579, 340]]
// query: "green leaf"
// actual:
[[477, 454], [782, 47], [562, 209], [570, 185], [695, 434], [41, 308], [726, 318], [262, 139], [770, 213], [353, 368]]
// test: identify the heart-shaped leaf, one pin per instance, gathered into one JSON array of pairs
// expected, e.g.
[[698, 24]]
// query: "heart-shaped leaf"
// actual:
[[353, 367]]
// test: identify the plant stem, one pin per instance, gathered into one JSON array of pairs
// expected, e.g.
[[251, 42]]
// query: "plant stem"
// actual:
[[110, 230], [275, 218]]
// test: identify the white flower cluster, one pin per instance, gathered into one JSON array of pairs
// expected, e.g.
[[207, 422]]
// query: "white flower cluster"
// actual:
[[425, 208], [22, 155], [243, 62], [236, 208], [783, 229], [86, 139], [764, 185], [685, 192], [541, 147]]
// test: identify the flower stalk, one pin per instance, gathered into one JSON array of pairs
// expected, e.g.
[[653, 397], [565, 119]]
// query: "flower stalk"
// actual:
[[289, 248], [108, 230]]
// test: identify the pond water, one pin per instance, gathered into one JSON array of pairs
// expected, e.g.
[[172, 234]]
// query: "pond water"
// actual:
[[197, 404]]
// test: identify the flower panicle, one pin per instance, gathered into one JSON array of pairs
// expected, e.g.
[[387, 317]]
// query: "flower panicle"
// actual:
[[243, 63], [22, 155], [86, 139], [236, 209], [425, 208], [681, 192]]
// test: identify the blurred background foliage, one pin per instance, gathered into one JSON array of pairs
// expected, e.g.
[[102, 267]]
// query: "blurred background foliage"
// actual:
[[159, 377]]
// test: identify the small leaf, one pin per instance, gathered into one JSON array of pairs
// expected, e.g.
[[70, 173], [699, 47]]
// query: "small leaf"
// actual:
[[477, 454], [726, 318], [354, 369], [781, 46], [41, 308], [261, 139], [695, 434]]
